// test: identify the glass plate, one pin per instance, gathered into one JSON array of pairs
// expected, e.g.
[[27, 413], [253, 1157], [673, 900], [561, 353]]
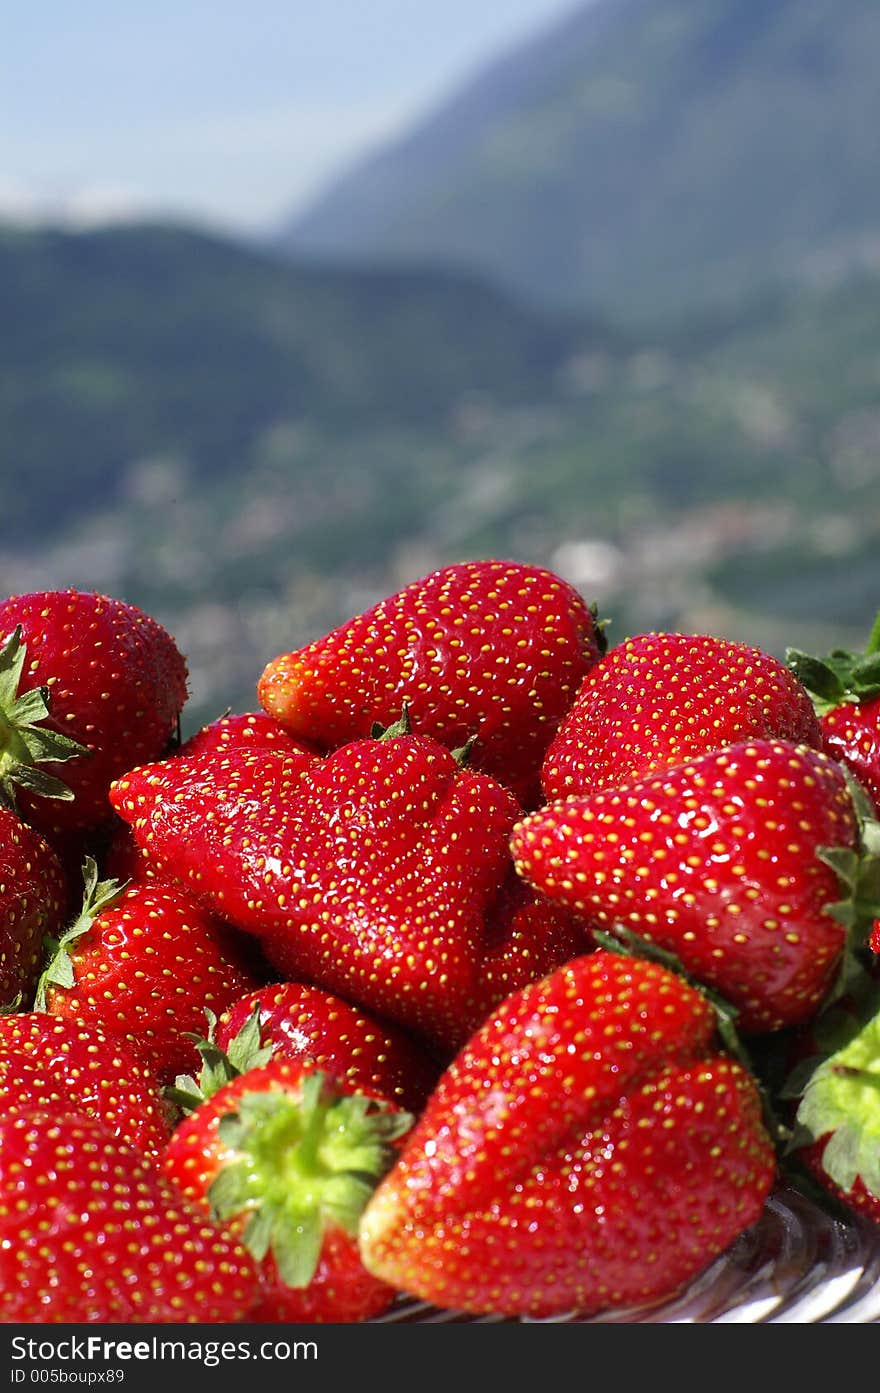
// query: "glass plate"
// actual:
[[798, 1264]]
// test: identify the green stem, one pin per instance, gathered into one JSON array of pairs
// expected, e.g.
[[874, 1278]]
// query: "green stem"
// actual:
[[873, 644]]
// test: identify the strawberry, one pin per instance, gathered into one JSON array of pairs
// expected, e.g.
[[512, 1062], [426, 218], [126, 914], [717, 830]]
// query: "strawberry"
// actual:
[[490, 651], [723, 861], [144, 963], [33, 901], [300, 1022], [245, 729], [91, 1232], [380, 873], [588, 1149], [845, 687], [104, 685], [48, 1064], [658, 700], [285, 1158]]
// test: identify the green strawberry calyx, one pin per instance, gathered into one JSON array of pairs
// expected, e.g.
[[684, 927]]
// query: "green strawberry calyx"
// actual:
[[302, 1159], [245, 1051], [858, 872], [403, 726], [98, 895], [842, 676], [599, 630], [840, 1102], [25, 743]]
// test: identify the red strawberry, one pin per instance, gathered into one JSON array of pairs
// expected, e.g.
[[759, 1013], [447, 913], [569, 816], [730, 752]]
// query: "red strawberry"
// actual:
[[33, 902], [491, 650], [144, 963], [380, 873], [90, 1232], [720, 861], [286, 1158], [588, 1149], [527, 936], [119, 854], [658, 700], [845, 687], [115, 683], [49, 1064], [247, 730], [304, 1023]]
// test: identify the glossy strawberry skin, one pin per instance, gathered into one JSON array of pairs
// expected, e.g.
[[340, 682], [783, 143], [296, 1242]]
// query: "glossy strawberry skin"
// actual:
[[249, 730], [147, 969], [380, 872], [34, 897], [117, 683], [491, 650], [715, 860], [304, 1024], [92, 1233], [50, 1064], [587, 1149], [528, 936], [119, 854], [658, 700], [852, 735], [341, 1290]]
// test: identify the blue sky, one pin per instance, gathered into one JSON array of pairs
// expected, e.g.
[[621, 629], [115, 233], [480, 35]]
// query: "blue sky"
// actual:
[[226, 112]]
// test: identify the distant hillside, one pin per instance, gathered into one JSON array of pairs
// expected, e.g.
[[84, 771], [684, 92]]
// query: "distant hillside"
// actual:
[[140, 342], [185, 441], [643, 155]]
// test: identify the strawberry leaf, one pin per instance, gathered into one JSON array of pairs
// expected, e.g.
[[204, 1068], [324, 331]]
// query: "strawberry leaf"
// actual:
[[841, 676], [599, 627], [462, 755], [841, 1102], [219, 1066], [401, 726], [98, 896], [822, 681], [24, 741]]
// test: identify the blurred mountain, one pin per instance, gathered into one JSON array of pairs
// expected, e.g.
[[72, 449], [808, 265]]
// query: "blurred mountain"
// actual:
[[643, 156], [254, 451], [124, 345]]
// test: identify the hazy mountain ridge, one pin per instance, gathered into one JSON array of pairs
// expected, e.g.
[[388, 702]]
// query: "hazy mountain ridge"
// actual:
[[641, 155], [254, 447], [146, 340]]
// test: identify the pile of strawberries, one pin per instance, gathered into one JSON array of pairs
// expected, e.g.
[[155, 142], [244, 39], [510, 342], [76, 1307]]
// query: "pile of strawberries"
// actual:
[[480, 962]]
